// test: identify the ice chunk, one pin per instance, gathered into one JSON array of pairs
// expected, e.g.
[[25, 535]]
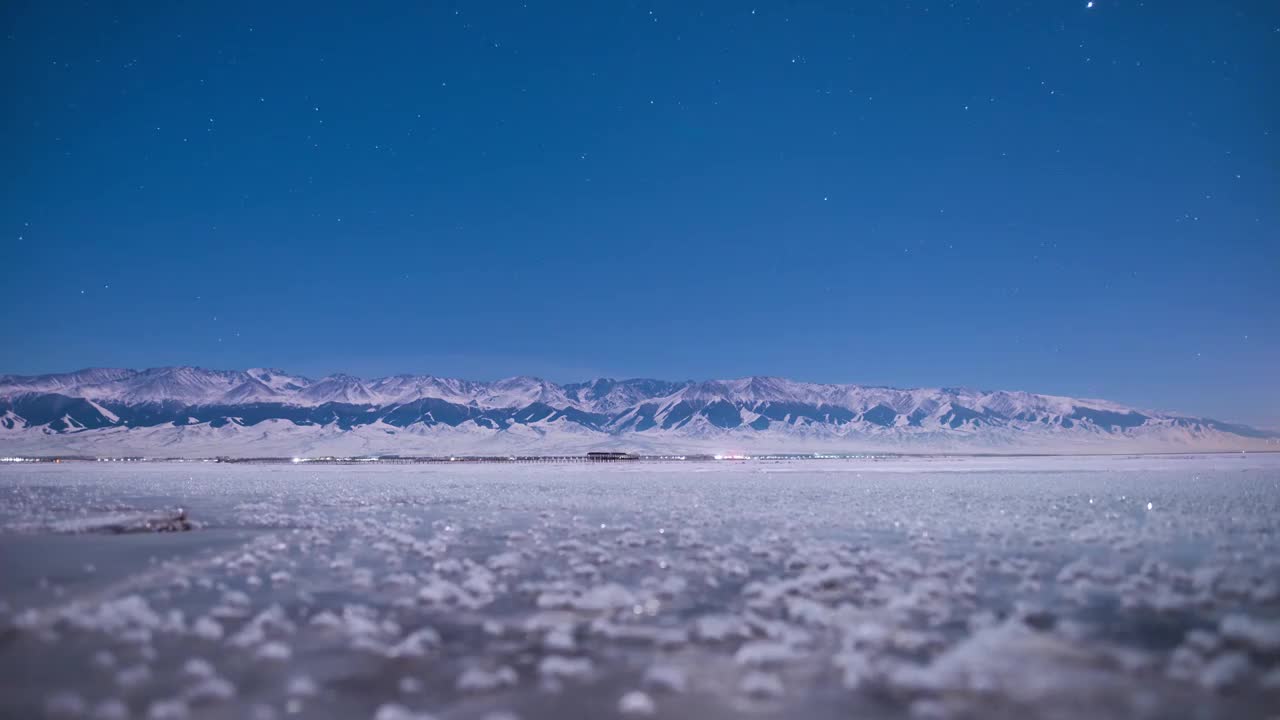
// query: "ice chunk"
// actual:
[[416, 644], [761, 685], [197, 669], [856, 667], [764, 653], [505, 561], [1226, 672], [476, 680], [1011, 660], [667, 678], [560, 639], [301, 686], [168, 710], [1262, 636], [209, 690], [207, 628], [124, 523], [395, 711], [719, 628], [274, 651], [110, 709], [610, 596], [636, 704], [115, 616], [133, 676], [569, 668], [1202, 641]]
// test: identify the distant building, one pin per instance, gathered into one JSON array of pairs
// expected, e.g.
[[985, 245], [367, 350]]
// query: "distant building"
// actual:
[[606, 456]]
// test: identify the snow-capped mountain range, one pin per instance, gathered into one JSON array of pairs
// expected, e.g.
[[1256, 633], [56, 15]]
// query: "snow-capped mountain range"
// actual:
[[188, 411]]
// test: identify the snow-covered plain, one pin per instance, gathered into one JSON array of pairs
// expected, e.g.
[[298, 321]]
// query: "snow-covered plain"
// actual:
[[922, 588]]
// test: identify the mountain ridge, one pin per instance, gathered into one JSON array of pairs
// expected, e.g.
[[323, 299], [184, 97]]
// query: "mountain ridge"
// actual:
[[185, 408]]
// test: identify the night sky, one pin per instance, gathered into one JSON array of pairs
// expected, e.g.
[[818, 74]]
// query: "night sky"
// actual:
[[1035, 195]]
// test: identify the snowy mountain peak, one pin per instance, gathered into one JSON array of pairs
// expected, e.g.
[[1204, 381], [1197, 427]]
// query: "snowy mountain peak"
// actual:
[[339, 388], [425, 411], [278, 380]]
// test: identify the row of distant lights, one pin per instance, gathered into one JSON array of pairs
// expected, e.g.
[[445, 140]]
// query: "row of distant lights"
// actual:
[[718, 456], [1150, 506], [36, 460], [815, 456], [100, 459]]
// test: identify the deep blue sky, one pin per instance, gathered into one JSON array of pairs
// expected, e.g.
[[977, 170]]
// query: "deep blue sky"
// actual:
[[1034, 195]]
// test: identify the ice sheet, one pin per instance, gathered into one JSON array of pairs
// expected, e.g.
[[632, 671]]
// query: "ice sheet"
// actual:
[[975, 587]]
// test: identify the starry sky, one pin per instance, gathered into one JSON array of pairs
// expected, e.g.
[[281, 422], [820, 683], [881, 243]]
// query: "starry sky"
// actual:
[[1058, 196]]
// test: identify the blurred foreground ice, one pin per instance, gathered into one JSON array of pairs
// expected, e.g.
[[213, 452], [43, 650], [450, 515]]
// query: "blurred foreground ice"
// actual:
[[984, 588]]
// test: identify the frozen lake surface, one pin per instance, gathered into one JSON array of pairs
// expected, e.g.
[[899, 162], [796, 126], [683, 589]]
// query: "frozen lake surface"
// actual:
[[960, 588]]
